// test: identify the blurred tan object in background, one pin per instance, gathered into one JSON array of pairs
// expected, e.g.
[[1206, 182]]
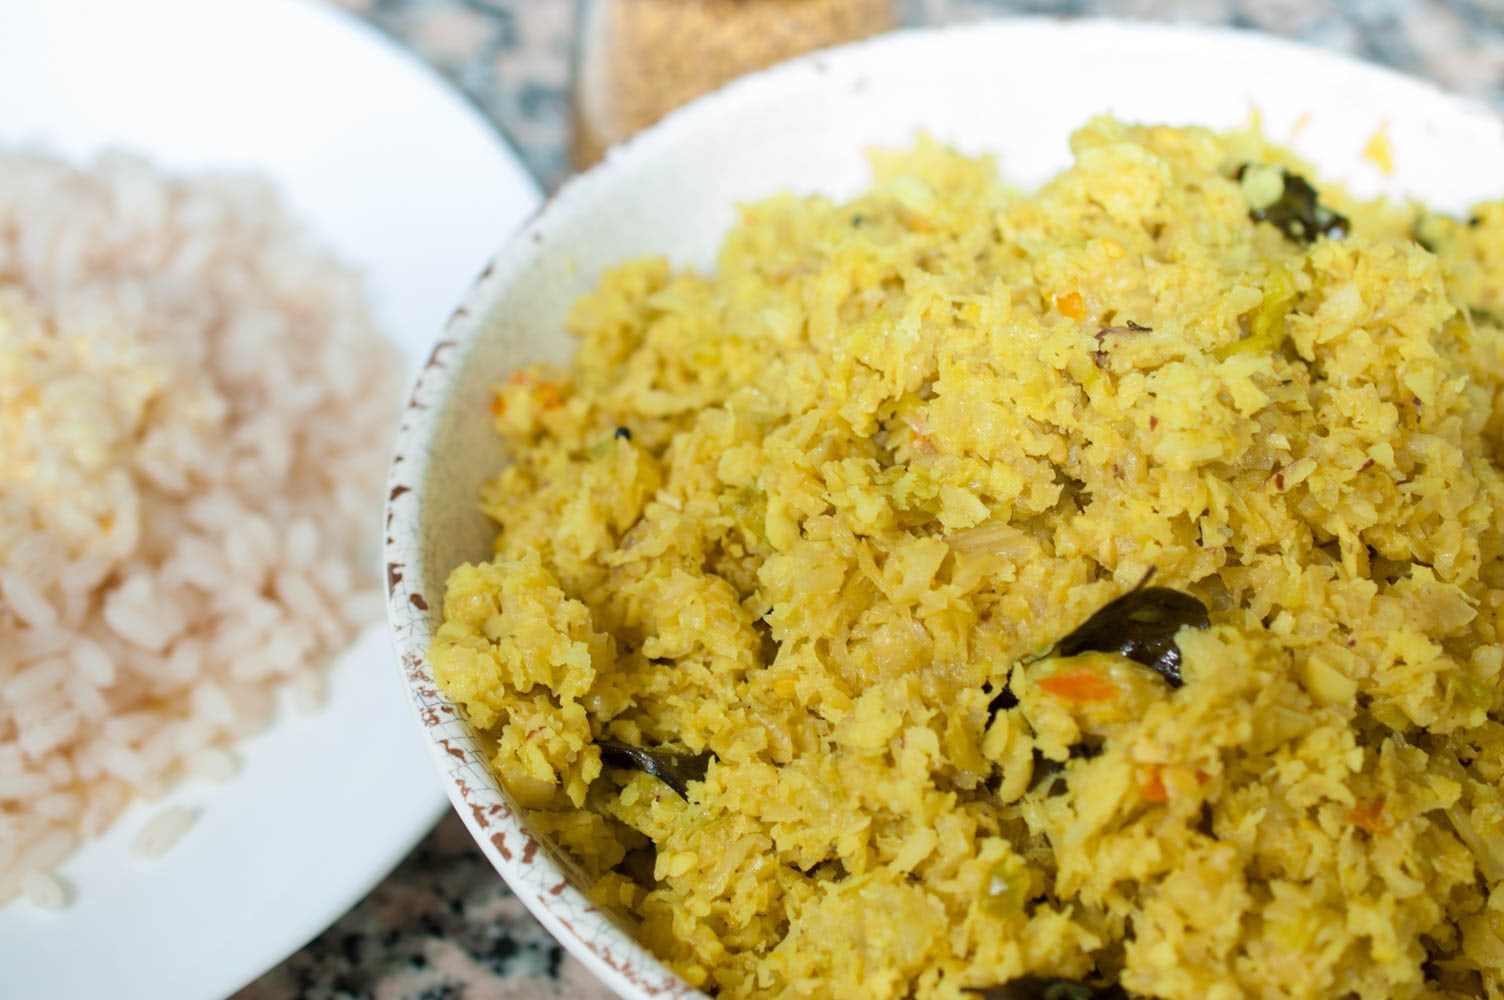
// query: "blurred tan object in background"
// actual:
[[639, 59]]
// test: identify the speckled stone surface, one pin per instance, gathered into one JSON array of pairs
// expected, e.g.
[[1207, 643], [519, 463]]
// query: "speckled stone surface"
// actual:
[[443, 925]]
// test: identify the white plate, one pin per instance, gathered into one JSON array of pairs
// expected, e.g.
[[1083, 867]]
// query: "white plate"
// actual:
[[404, 181]]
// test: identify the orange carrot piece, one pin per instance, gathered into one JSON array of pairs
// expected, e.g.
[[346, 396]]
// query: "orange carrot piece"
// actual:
[[1078, 686], [1153, 787], [1369, 816], [1071, 305]]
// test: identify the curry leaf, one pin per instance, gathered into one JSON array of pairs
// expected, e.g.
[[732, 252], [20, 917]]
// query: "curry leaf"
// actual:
[[1047, 770], [1298, 212], [1048, 988], [675, 768], [1002, 701], [1140, 625]]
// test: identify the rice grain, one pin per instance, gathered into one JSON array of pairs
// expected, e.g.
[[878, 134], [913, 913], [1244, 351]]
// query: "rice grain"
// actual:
[[164, 830], [43, 891], [194, 412]]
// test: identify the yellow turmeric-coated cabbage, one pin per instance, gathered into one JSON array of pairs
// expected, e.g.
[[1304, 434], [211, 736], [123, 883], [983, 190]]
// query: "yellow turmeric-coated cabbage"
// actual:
[[870, 471]]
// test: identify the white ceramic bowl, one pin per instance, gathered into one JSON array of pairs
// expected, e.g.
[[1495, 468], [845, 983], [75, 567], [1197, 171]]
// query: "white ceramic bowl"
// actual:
[[1016, 88]]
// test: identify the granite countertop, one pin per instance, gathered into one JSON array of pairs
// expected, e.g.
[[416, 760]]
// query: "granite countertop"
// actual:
[[443, 924]]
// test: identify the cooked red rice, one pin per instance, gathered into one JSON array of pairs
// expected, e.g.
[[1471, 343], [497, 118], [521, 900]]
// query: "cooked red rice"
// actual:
[[194, 409]]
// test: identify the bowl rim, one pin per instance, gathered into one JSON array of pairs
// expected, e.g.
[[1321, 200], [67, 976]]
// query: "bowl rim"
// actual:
[[593, 936]]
